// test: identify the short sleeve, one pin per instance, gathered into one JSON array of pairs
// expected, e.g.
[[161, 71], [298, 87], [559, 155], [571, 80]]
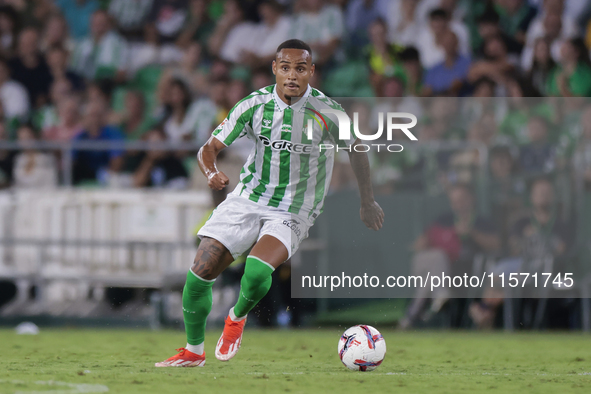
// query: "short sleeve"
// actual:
[[333, 130], [236, 125]]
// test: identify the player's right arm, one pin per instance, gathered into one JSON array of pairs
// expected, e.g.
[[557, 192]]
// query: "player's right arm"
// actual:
[[236, 125], [207, 157]]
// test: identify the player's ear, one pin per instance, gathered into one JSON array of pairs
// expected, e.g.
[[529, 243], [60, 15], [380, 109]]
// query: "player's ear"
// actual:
[[274, 67], [312, 69]]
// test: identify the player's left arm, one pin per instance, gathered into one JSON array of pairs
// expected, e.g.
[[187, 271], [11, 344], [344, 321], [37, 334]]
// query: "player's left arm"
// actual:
[[371, 212]]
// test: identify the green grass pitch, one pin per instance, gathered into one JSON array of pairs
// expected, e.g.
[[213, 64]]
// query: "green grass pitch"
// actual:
[[295, 361]]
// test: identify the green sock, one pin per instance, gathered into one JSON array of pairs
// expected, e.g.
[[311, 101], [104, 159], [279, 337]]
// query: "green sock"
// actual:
[[255, 283], [197, 301]]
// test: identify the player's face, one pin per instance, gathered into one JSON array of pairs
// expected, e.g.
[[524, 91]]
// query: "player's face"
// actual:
[[293, 69]]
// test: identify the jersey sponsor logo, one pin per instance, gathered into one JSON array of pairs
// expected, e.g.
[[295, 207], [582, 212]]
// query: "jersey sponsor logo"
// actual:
[[293, 225], [286, 145]]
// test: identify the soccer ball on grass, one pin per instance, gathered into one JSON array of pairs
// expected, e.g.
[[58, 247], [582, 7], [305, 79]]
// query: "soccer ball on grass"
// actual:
[[362, 348]]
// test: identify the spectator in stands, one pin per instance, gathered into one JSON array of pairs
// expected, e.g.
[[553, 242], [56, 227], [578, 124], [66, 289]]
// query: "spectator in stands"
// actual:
[[454, 8], [47, 115], [321, 25], [496, 63], [33, 168], [13, 96], [261, 77], [156, 168], [190, 70], [573, 76], [541, 234], [133, 122], [360, 14], [464, 165], [428, 41], [198, 26], [6, 160], [507, 189], [231, 28], [9, 27], [557, 8], [582, 153], [382, 56], [413, 70], [179, 121], [449, 76], [166, 22], [212, 110], [57, 60], [30, 68], [542, 67], [69, 124], [103, 54], [96, 164], [538, 155], [523, 103], [268, 35], [78, 13], [515, 17], [130, 17], [404, 24], [55, 34], [552, 30], [489, 27], [449, 245], [101, 90]]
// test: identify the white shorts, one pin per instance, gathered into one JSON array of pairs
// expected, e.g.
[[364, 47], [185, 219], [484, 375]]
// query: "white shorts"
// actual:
[[238, 223]]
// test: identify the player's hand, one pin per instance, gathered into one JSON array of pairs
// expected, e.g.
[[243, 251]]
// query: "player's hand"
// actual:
[[372, 215], [218, 180]]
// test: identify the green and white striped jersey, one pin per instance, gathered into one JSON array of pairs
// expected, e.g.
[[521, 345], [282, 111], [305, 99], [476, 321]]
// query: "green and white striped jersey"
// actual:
[[285, 168]]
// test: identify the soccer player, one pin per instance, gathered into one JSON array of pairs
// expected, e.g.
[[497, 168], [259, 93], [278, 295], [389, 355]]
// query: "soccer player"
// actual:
[[281, 192]]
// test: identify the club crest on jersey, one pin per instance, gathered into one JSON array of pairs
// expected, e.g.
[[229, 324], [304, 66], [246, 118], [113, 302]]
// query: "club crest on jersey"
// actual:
[[221, 126], [285, 145], [286, 127]]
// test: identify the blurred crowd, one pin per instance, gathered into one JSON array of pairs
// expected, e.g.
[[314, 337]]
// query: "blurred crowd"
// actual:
[[170, 70], [500, 88]]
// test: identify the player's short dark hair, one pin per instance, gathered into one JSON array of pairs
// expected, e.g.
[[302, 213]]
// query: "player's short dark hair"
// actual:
[[294, 44]]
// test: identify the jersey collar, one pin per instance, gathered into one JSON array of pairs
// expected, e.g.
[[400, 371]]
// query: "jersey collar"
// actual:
[[297, 106]]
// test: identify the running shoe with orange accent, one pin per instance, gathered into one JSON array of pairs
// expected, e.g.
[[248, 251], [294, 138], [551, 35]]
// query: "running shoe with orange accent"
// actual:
[[229, 342], [185, 358]]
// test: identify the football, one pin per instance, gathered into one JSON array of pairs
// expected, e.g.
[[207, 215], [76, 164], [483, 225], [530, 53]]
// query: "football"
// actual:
[[362, 348]]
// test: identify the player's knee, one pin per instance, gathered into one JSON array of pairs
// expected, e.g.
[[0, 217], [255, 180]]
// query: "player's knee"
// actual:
[[211, 259]]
